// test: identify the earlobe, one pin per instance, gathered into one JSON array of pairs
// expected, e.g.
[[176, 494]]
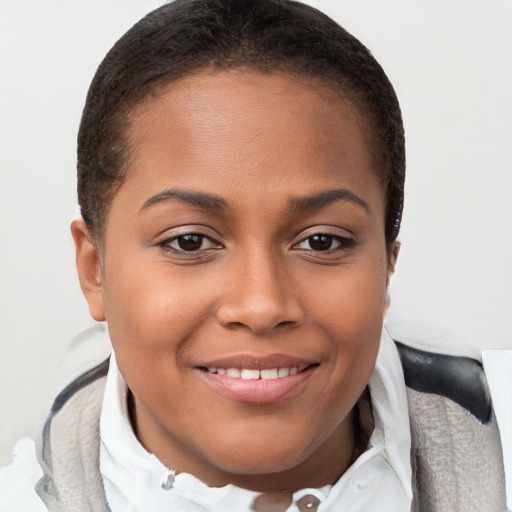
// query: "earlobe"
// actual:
[[89, 269]]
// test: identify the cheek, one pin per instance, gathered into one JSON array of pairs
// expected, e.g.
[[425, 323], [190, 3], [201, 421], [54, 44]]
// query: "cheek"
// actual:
[[350, 310], [151, 310], [151, 316], [352, 297]]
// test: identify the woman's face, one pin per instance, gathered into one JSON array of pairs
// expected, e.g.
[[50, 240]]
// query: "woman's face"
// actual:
[[243, 278]]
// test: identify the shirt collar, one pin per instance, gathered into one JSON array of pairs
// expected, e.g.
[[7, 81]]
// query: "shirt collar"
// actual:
[[390, 409], [133, 478]]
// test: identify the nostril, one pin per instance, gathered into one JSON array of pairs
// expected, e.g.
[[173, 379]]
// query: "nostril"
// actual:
[[286, 323], [235, 325]]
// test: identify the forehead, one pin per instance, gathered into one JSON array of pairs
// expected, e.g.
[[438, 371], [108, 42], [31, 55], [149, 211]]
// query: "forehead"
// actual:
[[246, 87], [247, 129]]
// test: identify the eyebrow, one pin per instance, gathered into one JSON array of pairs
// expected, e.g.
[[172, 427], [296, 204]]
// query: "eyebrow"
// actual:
[[200, 199], [325, 198]]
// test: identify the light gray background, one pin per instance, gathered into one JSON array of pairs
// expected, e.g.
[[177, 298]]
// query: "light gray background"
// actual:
[[451, 63]]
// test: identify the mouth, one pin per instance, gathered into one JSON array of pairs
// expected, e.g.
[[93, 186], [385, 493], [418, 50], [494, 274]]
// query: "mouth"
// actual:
[[251, 374], [257, 381]]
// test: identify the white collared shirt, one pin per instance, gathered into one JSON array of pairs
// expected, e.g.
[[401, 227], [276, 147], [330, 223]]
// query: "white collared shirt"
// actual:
[[378, 481]]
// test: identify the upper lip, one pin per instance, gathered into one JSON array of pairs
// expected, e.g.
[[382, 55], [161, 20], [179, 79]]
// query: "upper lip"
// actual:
[[258, 362]]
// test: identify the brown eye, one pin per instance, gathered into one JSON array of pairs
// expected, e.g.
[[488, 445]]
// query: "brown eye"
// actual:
[[320, 242], [324, 242], [190, 242]]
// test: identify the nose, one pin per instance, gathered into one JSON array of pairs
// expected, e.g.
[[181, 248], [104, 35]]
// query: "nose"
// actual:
[[260, 297]]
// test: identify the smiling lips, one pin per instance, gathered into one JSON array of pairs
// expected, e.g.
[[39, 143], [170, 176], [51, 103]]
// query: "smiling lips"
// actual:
[[257, 381]]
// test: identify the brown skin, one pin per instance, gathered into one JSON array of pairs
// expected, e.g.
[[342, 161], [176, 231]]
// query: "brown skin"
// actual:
[[256, 285]]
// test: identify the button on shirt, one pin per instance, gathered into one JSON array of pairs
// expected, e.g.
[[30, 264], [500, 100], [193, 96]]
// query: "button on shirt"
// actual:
[[378, 481]]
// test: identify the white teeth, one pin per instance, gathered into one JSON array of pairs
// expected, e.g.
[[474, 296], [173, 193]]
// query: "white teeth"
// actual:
[[250, 374], [269, 374], [233, 372], [283, 372]]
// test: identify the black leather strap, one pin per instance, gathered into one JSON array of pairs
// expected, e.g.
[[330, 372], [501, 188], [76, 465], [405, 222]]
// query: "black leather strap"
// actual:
[[460, 379]]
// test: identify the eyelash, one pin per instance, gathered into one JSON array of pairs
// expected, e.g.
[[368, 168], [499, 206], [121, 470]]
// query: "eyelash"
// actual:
[[343, 243], [166, 244]]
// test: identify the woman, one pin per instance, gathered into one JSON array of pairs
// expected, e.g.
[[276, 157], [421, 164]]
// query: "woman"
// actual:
[[240, 177]]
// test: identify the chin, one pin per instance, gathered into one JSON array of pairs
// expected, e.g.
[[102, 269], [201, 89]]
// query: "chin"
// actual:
[[261, 458]]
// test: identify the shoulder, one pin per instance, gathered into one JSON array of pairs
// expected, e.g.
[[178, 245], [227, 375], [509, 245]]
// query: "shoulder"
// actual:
[[30, 483], [456, 450], [458, 378], [18, 480], [70, 444]]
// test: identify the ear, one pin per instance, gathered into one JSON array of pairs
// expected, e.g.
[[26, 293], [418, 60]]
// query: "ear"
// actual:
[[89, 269], [393, 251]]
